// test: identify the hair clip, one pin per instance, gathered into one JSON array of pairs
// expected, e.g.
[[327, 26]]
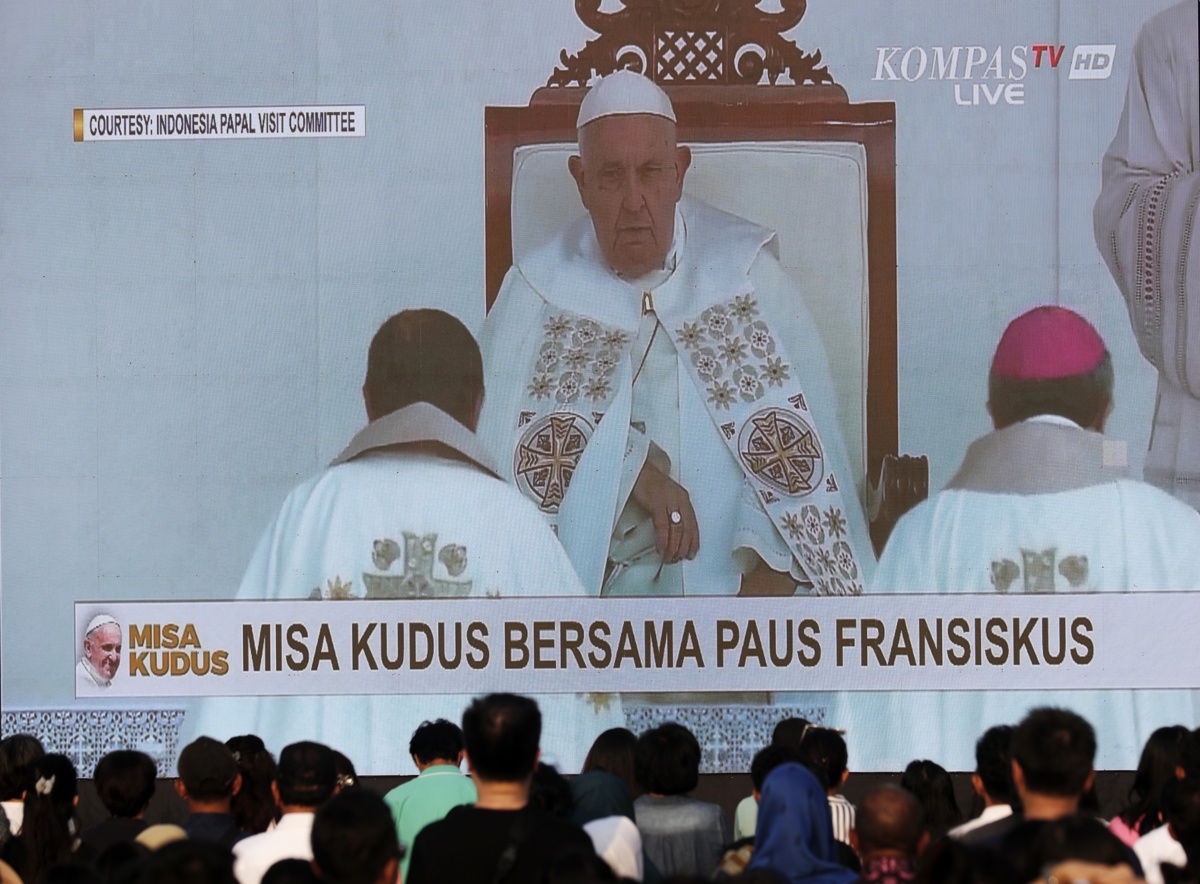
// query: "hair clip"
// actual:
[[344, 781], [44, 786]]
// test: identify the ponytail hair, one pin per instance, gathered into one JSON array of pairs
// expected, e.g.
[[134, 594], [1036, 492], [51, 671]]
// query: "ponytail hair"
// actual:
[[49, 805]]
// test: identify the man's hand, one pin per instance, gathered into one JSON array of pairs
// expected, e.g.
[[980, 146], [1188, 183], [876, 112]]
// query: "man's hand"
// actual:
[[667, 502]]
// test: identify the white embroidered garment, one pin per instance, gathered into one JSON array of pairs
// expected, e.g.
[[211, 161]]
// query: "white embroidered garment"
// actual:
[[388, 522], [1145, 228], [1088, 530], [732, 393]]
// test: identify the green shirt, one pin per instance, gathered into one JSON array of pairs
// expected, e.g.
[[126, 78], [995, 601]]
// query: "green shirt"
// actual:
[[425, 800]]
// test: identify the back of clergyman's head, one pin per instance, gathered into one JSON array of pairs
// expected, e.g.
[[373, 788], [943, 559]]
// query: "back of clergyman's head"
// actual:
[[1055, 750], [993, 762], [668, 760], [1050, 361], [439, 740], [307, 774], [125, 781], [424, 356], [17, 752], [354, 839], [889, 818], [502, 733]]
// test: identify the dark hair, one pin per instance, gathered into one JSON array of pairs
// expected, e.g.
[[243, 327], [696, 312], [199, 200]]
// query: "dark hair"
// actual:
[[993, 762], [767, 759], [949, 861], [69, 873], [1189, 754], [929, 782], [1080, 398], [354, 838], [125, 780], [424, 356], [667, 760], [253, 806], [17, 752], [790, 732], [290, 871], [1074, 837], [307, 774], [502, 733], [189, 862], [1181, 809], [1055, 749], [120, 862], [889, 818], [823, 751], [1156, 767], [613, 752], [50, 790], [434, 740], [551, 793], [578, 867]]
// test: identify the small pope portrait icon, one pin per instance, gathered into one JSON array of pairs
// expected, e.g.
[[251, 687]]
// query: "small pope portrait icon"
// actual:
[[101, 657]]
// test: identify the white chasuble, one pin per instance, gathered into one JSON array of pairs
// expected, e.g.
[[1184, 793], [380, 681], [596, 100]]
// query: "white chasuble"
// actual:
[[1145, 221], [716, 374]]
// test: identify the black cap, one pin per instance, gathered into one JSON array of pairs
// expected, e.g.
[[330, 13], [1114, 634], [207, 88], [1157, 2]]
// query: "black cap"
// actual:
[[207, 768]]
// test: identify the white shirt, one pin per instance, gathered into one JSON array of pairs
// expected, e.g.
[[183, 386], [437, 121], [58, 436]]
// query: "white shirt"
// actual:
[[15, 811], [990, 815], [290, 839], [1155, 848]]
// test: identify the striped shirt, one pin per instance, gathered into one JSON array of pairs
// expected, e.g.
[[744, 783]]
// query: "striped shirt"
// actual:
[[842, 812]]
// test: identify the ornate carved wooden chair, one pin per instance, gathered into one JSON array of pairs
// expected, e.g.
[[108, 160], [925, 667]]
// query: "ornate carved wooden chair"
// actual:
[[794, 156]]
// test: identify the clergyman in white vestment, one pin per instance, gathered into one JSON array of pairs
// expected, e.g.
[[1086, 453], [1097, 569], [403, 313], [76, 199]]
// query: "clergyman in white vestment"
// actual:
[[1038, 506], [1145, 228], [657, 386], [412, 508]]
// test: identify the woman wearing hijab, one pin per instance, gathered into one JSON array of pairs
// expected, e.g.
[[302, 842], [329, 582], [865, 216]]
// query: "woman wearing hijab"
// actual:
[[794, 835]]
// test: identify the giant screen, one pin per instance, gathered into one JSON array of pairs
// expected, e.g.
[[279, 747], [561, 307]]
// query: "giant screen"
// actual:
[[207, 210]]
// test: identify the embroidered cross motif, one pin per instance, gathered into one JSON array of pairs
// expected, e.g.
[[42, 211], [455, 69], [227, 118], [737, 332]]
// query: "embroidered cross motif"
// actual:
[[547, 455], [417, 580], [782, 451]]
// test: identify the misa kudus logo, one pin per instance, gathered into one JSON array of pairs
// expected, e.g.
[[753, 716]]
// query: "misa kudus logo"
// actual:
[[158, 650], [986, 76]]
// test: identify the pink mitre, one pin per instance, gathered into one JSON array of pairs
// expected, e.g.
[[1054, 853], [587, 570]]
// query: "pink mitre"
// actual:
[[1048, 343], [624, 92]]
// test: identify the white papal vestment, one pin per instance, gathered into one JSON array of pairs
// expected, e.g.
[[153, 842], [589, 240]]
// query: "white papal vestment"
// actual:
[[1032, 509], [388, 522], [714, 370], [1145, 222]]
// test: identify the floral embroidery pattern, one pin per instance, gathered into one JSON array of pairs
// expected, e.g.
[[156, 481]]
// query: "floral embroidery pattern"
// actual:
[[728, 336], [578, 358]]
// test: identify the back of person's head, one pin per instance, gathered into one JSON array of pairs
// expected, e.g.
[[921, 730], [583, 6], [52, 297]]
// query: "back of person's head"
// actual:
[[1161, 758], [550, 792], [307, 774], [120, 862], [613, 752], [125, 780], [189, 862], [17, 752], [354, 839], [1054, 749], [933, 788], [1189, 754], [767, 759], [439, 740], [667, 760], [790, 732], [794, 831], [1181, 811], [993, 762], [949, 861], [424, 356], [70, 873], [577, 867], [290, 871], [208, 770], [1074, 837], [889, 818], [253, 806], [823, 751], [1050, 360], [501, 733], [50, 791], [345, 776]]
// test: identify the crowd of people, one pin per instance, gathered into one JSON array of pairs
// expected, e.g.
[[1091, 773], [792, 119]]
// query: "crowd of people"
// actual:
[[305, 816]]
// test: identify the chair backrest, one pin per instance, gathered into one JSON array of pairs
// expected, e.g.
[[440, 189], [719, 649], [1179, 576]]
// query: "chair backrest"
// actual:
[[812, 193]]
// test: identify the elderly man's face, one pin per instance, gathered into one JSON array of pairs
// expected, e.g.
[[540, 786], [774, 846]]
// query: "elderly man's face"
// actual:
[[103, 649], [630, 175]]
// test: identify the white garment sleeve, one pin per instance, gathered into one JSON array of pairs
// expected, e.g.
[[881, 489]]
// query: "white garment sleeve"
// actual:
[[1144, 218]]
